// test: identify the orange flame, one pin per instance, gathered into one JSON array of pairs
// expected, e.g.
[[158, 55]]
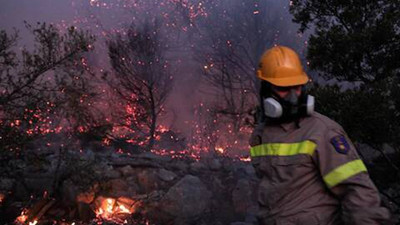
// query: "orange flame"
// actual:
[[2, 196], [220, 150], [23, 217], [111, 209], [33, 223]]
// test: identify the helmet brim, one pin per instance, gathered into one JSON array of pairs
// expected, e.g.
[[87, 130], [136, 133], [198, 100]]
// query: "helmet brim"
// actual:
[[288, 81]]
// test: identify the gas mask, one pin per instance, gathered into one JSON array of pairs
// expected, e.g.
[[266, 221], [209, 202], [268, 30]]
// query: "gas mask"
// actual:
[[289, 107]]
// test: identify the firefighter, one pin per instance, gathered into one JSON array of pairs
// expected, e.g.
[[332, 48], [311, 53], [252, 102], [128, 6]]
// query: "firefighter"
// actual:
[[310, 171]]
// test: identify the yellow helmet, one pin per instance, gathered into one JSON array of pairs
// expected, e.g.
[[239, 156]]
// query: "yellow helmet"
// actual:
[[281, 66]]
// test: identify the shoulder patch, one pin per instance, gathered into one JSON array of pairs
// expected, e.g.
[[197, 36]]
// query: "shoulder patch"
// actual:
[[340, 143]]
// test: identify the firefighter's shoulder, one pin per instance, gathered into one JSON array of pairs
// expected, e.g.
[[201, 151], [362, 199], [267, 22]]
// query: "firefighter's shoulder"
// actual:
[[332, 133]]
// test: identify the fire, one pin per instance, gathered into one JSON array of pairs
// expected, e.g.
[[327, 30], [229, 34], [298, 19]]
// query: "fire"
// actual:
[[220, 150], [23, 217], [2, 196], [124, 209], [245, 159], [33, 223], [111, 209]]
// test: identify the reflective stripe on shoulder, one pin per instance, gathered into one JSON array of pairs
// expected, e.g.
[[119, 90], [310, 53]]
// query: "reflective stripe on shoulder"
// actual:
[[344, 172], [283, 149]]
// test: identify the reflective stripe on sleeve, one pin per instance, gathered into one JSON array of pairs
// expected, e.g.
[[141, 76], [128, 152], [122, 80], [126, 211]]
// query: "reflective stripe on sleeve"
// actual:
[[283, 149], [344, 172]]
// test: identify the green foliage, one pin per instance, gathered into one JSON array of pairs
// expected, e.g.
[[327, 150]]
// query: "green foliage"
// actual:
[[368, 114], [356, 41], [353, 40]]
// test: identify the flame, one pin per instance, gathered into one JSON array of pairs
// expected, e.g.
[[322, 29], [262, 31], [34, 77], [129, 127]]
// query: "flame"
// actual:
[[2, 196], [123, 209], [33, 223], [111, 210], [245, 159], [23, 217], [220, 150]]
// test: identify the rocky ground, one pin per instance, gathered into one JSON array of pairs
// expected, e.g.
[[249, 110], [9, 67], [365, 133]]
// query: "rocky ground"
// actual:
[[90, 187]]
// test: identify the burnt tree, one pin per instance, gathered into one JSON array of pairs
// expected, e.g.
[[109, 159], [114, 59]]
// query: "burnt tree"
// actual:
[[29, 88], [233, 37], [142, 77]]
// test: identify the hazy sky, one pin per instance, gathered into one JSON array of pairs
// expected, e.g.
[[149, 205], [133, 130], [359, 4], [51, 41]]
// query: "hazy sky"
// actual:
[[104, 17]]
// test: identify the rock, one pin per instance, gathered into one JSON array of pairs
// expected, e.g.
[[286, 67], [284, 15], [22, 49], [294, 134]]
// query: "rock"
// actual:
[[166, 175], [88, 196], [69, 192], [118, 187], [241, 223], [241, 196], [217, 184], [112, 174], [250, 170], [227, 165], [180, 165], [251, 216], [85, 212], [214, 164], [39, 185], [197, 167], [387, 149], [186, 200], [72, 193], [148, 181], [127, 171], [6, 184], [154, 157], [367, 153], [132, 182]]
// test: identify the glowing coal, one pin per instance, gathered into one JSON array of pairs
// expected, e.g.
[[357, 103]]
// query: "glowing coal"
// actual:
[[114, 210]]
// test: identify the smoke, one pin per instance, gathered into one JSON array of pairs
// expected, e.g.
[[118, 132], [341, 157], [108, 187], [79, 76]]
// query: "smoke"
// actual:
[[185, 25]]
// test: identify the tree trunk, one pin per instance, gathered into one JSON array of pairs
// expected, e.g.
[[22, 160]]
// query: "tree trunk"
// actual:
[[153, 122]]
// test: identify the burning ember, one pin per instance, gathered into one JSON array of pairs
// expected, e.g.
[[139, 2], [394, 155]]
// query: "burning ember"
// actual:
[[115, 210], [22, 219], [2, 196], [220, 150]]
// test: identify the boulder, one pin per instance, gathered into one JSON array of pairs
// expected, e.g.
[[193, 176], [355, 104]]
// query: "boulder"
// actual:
[[148, 180], [241, 223], [241, 196], [6, 184], [186, 200], [88, 196], [112, 174], [166, 175], [197, 167], [127, 171], [118, 187], [180, 165], [214, 164]]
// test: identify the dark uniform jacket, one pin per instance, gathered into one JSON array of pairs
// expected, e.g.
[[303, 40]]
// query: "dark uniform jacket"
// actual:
[[311, 174]]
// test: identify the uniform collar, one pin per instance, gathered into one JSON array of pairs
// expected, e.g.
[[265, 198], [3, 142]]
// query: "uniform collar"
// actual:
[[290, 126], [286, 126]]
